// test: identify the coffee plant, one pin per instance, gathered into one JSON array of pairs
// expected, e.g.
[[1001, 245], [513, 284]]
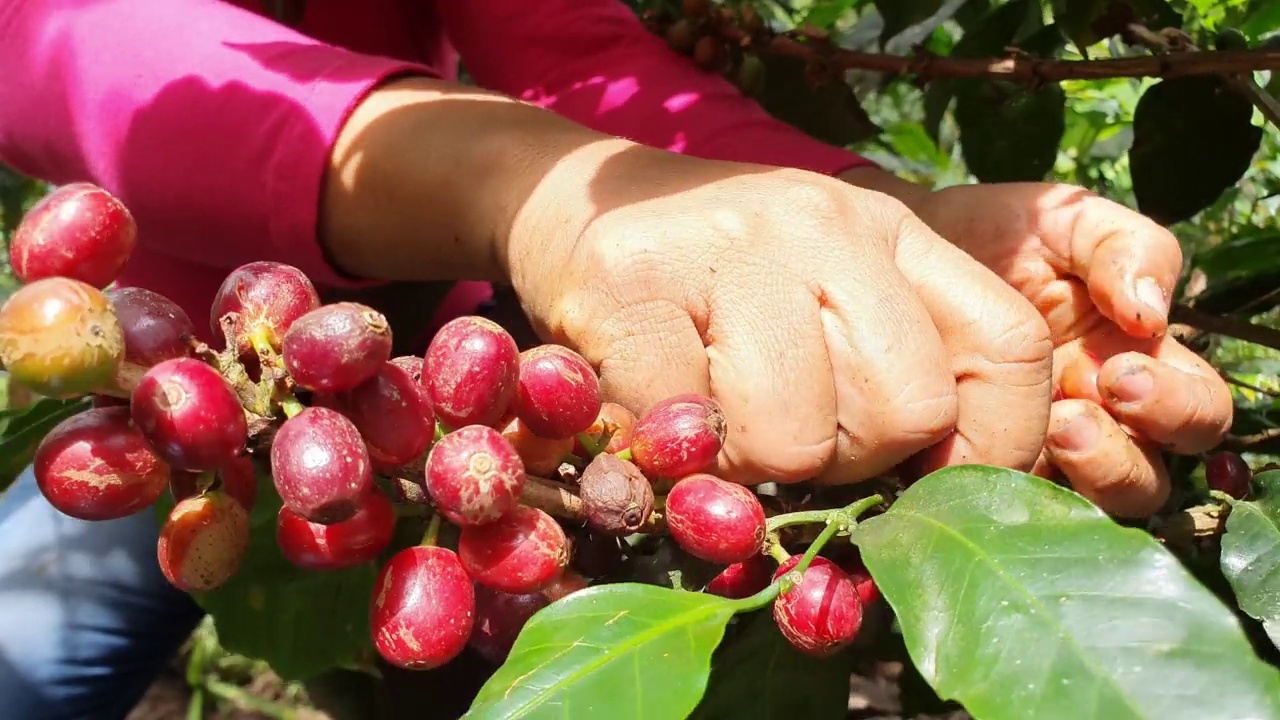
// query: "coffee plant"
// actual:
[[335, 503]]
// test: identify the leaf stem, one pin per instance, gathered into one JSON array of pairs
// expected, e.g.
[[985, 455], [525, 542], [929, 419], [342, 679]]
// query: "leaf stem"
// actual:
[[248, 701], [757, 601], [433, 531], [803, 517], [291, 405]]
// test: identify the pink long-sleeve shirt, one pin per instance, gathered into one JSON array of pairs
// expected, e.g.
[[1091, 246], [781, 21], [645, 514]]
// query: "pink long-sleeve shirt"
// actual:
[[214, 123]]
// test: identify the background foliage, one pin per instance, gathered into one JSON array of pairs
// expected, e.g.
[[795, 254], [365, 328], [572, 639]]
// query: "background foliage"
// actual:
[[1189, 151]]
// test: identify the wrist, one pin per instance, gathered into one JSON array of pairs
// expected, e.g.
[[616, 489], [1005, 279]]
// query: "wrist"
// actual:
[[913, 195]]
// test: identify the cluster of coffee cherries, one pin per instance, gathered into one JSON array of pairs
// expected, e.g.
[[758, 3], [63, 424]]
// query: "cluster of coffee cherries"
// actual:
[[696, 31], [513, 452]]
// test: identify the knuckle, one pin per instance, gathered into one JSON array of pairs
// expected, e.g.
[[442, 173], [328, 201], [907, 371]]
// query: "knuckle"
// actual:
[[924, 413]]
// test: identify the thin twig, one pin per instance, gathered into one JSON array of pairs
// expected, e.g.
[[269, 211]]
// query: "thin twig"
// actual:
[[1017, 66], [1228, 326], [1256, 442], [1247, 386]]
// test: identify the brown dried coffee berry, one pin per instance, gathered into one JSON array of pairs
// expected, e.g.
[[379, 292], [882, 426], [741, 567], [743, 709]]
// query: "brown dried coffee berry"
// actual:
[[616, 495]]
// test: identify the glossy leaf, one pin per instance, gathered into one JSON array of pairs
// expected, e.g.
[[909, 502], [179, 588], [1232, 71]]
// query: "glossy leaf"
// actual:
[[624, 650], [301, 622], [829, 112], [1251, 553], [1009, 132], [1019, 598], [760, 676], [1192, 139]]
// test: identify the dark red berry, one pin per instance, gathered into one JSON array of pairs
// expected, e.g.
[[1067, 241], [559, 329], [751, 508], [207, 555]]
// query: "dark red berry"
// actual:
[[541, 456], [679, 436], [558, 394], [520, 552], [423, 608], [716, 520], [336, 347], [189, 414], [742, 579], [203, 542], [97, 466], [109, 401], [393, 414], [78, 231], [868, 592], [341, 545], [822, 613], [474, 475], [267, 297], [567, 584], [411, 364], [1227, 472], [621, 420], [470, 370], [60, 337], [320, 466], [155, 328], [500, 617]]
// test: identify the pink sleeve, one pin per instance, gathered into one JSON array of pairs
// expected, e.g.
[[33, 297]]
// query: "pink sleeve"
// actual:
[[211, 123], [594, 62]]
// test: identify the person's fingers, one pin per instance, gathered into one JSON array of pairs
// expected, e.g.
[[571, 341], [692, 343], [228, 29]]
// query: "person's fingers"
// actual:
[[1176, 401], [770, 374], [1103, 463], [894, 387], [1000, 354], [1129, 262]]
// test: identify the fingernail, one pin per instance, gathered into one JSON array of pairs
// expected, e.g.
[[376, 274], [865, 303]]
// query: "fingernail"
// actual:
[[1147, 291], [1134, 385], [1079, 434]]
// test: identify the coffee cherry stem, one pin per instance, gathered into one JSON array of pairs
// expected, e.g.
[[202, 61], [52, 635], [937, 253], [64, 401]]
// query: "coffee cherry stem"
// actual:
[[432, 535], [260, 339], [291, 405], [834, 525], [837, 520], [624, 454], [1224, 498], [775, 550], [846, 515], [593, 446]]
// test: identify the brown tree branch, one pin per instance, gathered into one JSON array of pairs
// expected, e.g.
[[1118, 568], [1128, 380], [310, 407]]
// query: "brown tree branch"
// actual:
[[1014, 67], [1266, 441], [1228, 326]]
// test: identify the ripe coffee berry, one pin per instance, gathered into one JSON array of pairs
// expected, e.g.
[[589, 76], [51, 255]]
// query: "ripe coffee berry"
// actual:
[[540, 456], [411, 364], [60, 337], [341, 545], [189, 414], [520, 552], [742, 579], [155, 328], [822, 613], [321, 466], [78, 231], [567, 584], [423, 608], [474, 475], [97, 466], [336, 347], [266, 297], [679, 436], [1228, 472], [558, 394], [623, 422], [470, 371], [715, 520], [393, 414], [203, 542], [500, 617]]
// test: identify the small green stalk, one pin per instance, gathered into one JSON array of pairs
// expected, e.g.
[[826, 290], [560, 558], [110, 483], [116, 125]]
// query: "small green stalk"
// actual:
[[291, 405], [432, 534], [623, 454], [593, 446]]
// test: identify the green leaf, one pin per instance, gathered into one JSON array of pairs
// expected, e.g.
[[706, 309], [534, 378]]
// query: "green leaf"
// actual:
[[990, 35], [626, 650], [1192, 139], [1020, 599], [829, 112], [899, 15], [760, 676], [300, 622], [1251, 553], [26, 427], [1009, 132], [1263, 18]]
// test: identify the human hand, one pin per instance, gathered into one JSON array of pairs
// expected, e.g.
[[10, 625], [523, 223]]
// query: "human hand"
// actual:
[[1101, 275], [838, 333]]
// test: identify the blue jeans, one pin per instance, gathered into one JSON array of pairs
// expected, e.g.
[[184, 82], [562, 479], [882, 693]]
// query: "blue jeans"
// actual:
[[87, 621]]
